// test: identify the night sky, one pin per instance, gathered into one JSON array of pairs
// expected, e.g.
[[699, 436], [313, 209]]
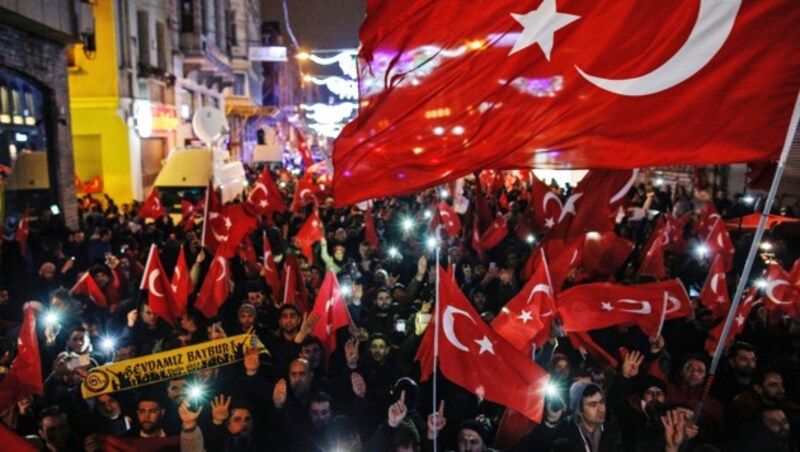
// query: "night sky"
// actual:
[[319, 24]]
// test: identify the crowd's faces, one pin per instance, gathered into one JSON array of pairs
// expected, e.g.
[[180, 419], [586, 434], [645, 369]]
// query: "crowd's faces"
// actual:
[[383, 300], [255, 298], [364, 251], [300, 377], [108, 406], [744, 363], [75, 377], [379, 350], [338, 253], [188, 324], [149, 415], [289, 322], [470, 441], [512, 261], [694, 373], [313, 354], [59, 304], [123, 353], [240, 421], [246, 319], [593, 410], [776, 422], [176, 391], [77, 341], [479, 271], [320, 413], [772, 390], [654, 395], [47, 271], [102, 279], [54, 431], [148, 317], [561, 368], [185, 339], [316, 276], [479, 301]]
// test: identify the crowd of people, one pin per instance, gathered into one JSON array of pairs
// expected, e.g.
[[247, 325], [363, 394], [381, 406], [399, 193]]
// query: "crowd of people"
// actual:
[[367, 394]]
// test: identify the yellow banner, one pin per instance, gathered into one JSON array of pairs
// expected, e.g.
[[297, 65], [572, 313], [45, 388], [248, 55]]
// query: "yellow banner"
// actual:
[[168, 365]]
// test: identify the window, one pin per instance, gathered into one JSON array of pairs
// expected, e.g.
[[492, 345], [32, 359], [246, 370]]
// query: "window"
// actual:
[[161, 41], [230, 19], [187, 16], [240, 84], [143, 29]]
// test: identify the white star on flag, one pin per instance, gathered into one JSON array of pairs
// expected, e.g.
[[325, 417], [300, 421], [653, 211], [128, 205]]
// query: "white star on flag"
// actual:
[[228, 222], [540, 25], [486, 345], [525, 316], [740, 320], [607, 306], [549, 223]]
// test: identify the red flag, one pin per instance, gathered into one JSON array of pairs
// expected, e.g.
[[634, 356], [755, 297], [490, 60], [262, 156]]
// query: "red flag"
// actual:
[[600, 305], [79, 187], [310, 233], [475, 357], [237, 223], [524, 80], [546, 205], [159, 291], [181, 286], [271, 275], [653, 260], [495, 234], [215, 228], [526, 318], [95, 185], [24, 378], [305, 192], [714, 295], [476, 239], [586, 345], [87, 285], [603, 254], [265, 196], [11, 441], [511, 429], [151, 207], [482, 209], [738, 322], [332, 312], [214, 290], [23, 231], [673, 232], [247, 252], [502, 201], [110, 443], [706, 220], [594, 203], [302, 148], [370, 234], [450, 219], [294, 289], [794, 273], [719, 243], [780, 294]]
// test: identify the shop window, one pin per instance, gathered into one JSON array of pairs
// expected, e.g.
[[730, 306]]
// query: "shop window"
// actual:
[[240, 84]]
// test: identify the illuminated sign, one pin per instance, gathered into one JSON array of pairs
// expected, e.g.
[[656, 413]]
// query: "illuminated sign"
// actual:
[[155, 119]]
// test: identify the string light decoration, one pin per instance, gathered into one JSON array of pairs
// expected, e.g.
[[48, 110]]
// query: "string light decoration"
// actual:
[[344, 88], [346, 60]]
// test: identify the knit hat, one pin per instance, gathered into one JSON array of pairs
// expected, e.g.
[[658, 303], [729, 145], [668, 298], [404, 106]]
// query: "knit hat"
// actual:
[[576, 394], [482, 428], [247, 307]]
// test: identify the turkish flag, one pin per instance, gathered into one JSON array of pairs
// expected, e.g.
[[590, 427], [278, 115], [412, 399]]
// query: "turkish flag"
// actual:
[[473, 356], [23, 231], [302, 148], [565, 257], [794, 273], [495, 234], [332, 312], [309, 233], [747, 304], [159, 291], [265, 196], [476, 239], [271, 276], [95, 185], [719, 243], [586, 345], [482, 209], [601, 305], [450, 219], [294, 289], [79, 187], [714, 295], [653, 260], [14, 442], [214, 225], [181, 285], [370, 235], [706, 220], [237, 223], [546, 205], [526, 318], [24, 378], [780, 294], [603, 254], [214, 290], [564, 84], [594, 203], [109, 443], [87, 285], [673, 232], [305, 192], [151, 207]]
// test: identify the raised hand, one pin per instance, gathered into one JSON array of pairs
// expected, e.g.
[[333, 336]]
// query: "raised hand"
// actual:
[[359, 385], [436, 422], [351, 352], [309, 322], [397, 411], [188, 417], [279, 394], [220, 409], [674, 435], [133, 314], [631, 364], [656, 344]]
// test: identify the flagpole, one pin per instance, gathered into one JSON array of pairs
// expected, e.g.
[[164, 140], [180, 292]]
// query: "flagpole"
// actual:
[[205, 216], [147, 265], [748, 265], [663, 314]]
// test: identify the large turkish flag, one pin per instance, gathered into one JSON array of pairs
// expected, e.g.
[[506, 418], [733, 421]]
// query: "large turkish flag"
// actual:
[[448, 87]]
